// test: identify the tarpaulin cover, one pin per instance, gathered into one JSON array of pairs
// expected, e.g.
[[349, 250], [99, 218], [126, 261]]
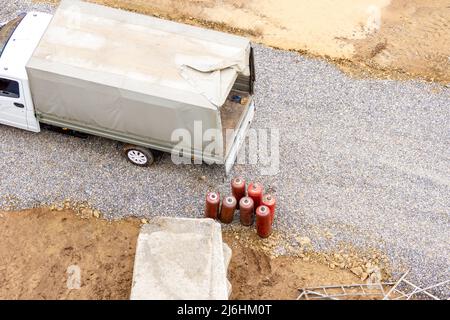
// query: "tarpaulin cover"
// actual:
[[132, 73]]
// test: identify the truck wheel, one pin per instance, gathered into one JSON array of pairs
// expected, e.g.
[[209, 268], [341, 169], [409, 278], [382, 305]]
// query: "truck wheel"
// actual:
[[139, 156]]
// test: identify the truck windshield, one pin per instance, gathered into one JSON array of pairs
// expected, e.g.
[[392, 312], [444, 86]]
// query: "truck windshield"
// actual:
[[7, 30]]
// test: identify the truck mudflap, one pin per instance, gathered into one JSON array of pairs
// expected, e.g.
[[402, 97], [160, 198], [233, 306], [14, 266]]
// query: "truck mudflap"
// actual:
[[240, 138]]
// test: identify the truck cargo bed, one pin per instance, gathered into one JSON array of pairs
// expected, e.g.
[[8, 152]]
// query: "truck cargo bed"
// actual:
[[232, 114]]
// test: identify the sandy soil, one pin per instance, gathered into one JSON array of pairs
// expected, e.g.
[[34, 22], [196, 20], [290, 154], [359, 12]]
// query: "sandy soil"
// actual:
[[383, 38], [414, 38], [255, 275], [39, 248]]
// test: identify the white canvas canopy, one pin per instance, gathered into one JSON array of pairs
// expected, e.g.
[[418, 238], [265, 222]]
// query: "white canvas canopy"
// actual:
[[132, 77], [142, 54]]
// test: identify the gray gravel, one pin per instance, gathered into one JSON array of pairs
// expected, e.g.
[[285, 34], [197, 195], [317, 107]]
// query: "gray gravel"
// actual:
[[11, 8], [365, 161]]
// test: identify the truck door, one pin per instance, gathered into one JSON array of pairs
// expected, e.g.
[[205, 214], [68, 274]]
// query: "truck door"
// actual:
[[12, 104]]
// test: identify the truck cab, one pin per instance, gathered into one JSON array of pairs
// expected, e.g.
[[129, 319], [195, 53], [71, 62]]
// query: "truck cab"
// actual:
[[18, 39]]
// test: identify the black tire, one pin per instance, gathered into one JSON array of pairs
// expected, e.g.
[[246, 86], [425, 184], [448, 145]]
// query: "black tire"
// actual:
[[138, 156]]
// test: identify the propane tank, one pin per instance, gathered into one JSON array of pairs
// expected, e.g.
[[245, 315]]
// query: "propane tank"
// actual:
[[227, 209], [238, 189], [255, 191], [268, 200], [212, 205], [263, 221], [246, 211]]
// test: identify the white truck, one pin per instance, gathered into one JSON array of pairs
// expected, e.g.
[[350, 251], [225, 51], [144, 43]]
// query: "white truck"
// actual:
[[128, 77]]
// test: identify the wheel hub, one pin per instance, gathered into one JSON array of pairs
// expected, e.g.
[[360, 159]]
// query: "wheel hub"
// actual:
[[137, 157]]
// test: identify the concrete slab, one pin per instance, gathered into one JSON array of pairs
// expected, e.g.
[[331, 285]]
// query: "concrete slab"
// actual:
[[227, 253], [180, 258]]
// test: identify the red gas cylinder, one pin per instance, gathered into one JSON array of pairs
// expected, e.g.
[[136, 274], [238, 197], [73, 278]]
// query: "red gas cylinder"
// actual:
[[238, 189], [227, 209], [212, 205], [255, 191], [268, 200], [263, 221], [246, 211]]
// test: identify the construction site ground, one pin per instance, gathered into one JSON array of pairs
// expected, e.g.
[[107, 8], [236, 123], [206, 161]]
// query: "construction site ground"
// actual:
[[39, 247]]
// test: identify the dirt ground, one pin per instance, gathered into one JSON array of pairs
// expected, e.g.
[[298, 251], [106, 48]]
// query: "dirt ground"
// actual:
[[40, 248], [414, 39], [397, 39], [255, 275]]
